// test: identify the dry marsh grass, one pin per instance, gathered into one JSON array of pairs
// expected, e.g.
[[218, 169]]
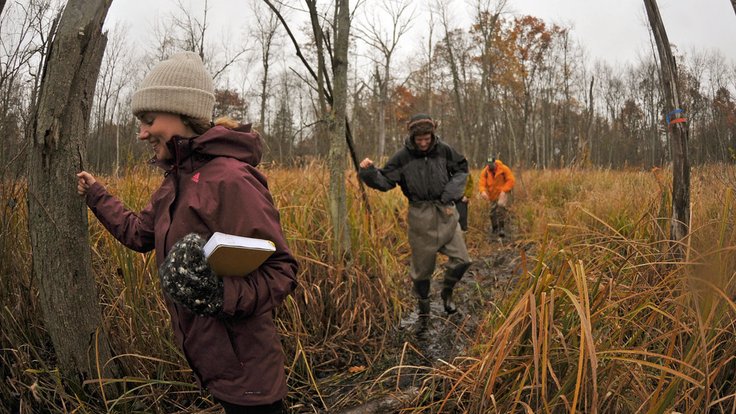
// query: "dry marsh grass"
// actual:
[[606, 320], [602, 319]]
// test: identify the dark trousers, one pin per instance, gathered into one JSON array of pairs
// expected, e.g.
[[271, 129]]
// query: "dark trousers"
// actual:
[[275, 408], [462, 209], [499, 215]]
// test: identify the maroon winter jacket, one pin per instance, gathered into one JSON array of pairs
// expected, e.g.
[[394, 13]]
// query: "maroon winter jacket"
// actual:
[[212, 185]]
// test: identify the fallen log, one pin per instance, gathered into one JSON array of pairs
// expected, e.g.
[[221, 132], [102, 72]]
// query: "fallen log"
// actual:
[[386, 404]]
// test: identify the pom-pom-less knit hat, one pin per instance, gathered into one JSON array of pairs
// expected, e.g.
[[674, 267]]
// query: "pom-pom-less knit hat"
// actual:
[[178, 85]]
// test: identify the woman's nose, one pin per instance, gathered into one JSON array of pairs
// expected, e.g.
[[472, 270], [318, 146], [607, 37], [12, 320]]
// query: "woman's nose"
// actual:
[[143, 133]]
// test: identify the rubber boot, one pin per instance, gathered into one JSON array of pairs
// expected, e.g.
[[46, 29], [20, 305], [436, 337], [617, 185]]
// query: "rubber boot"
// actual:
[[500, 226], [494, 224], [421, 291], [447, 301], [452, 276]]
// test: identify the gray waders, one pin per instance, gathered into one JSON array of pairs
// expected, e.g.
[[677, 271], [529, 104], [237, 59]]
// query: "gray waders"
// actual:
[[432, 231]]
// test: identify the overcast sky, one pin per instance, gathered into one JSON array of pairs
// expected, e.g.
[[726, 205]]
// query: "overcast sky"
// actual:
[[616, 31]]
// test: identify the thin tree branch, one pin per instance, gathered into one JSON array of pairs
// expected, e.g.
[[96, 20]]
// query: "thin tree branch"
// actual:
[[297, 48]]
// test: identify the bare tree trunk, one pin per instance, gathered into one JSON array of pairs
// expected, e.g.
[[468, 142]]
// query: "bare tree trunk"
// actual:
[[733, 3], [430, 66], [323, 85], [322, 82], [457, 85], [486, 20], [382, 104], [385, 42], [57, 216], [203, 30], [264, 93], [338, 148], [678, 132], [586, 151], [266, 31]]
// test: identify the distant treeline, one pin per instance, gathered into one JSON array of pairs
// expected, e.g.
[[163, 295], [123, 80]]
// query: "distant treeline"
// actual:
[[516, 87]]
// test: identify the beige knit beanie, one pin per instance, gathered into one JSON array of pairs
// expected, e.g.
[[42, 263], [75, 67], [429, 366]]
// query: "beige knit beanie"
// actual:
[[178, 85]]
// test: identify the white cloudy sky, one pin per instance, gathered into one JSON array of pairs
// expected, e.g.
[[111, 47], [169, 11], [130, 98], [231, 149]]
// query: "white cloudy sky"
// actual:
[[616, 31]]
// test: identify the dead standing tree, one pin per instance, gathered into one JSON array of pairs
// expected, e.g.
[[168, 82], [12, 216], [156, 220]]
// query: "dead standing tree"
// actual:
[[323, 86], [443, 7], [57, 217], [677, 131], [337, 126], [264, 32]]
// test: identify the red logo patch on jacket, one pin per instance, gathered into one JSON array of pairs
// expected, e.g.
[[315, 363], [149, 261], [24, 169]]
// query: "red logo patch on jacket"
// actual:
[[195, 178]]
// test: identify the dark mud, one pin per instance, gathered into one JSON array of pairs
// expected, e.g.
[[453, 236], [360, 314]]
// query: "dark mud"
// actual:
[[420, 343]]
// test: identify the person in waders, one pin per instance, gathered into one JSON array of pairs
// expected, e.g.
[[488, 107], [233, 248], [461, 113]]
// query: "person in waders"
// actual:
[[431, 174], [496, 182]]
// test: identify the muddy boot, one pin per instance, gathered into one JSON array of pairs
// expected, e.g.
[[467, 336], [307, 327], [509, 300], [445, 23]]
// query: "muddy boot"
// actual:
[[494, 224], [452, 276], [421, 291], [447, 301], [500, 226], [423, 307]]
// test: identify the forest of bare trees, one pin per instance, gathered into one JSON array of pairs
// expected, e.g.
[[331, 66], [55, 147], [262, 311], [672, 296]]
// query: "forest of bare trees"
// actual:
[[516, 86], [330, 82]]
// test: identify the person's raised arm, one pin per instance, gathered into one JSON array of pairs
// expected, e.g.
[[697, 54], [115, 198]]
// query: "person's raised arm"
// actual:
[[383, 179], [133, 230]]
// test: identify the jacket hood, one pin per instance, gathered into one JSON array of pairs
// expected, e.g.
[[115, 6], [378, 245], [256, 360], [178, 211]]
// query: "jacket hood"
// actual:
[[412, 146], [241, 143], [499, 163]]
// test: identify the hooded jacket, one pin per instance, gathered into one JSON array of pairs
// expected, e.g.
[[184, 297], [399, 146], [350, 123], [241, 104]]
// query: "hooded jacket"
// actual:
[[438, 174], [212, 185], [493, 183]]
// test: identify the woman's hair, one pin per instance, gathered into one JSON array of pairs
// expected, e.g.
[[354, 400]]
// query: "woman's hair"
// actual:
[[200, 126]]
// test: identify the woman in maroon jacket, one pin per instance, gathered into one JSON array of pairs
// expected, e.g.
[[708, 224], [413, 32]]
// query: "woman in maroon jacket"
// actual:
[[211, 184]]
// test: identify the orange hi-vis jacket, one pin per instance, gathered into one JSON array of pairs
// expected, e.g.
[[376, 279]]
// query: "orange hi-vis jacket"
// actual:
[[495, 183]]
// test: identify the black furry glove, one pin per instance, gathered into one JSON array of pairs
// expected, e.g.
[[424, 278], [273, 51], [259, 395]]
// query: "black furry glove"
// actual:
[[188, 279]]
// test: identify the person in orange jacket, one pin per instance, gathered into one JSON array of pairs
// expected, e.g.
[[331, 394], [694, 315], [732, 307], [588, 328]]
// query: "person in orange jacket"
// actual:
[[496, 181]]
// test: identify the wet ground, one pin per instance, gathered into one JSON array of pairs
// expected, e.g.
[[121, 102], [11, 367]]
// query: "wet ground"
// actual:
[[441, 337], [423, 342]]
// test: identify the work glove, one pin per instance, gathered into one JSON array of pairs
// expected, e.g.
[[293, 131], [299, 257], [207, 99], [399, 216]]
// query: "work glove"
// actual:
[[189, 280]]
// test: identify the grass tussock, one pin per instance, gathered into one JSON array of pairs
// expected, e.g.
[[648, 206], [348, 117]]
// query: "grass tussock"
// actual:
[[605, 319], [602, 319]]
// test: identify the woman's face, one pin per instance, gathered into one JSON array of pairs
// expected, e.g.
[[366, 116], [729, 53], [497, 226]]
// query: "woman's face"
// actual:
[[158, 128]]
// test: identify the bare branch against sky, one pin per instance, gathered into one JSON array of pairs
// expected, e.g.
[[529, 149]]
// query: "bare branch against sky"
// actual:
[[617, 33]]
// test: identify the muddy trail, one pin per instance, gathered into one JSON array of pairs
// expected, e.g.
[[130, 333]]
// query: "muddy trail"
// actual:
[[420, 343]]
